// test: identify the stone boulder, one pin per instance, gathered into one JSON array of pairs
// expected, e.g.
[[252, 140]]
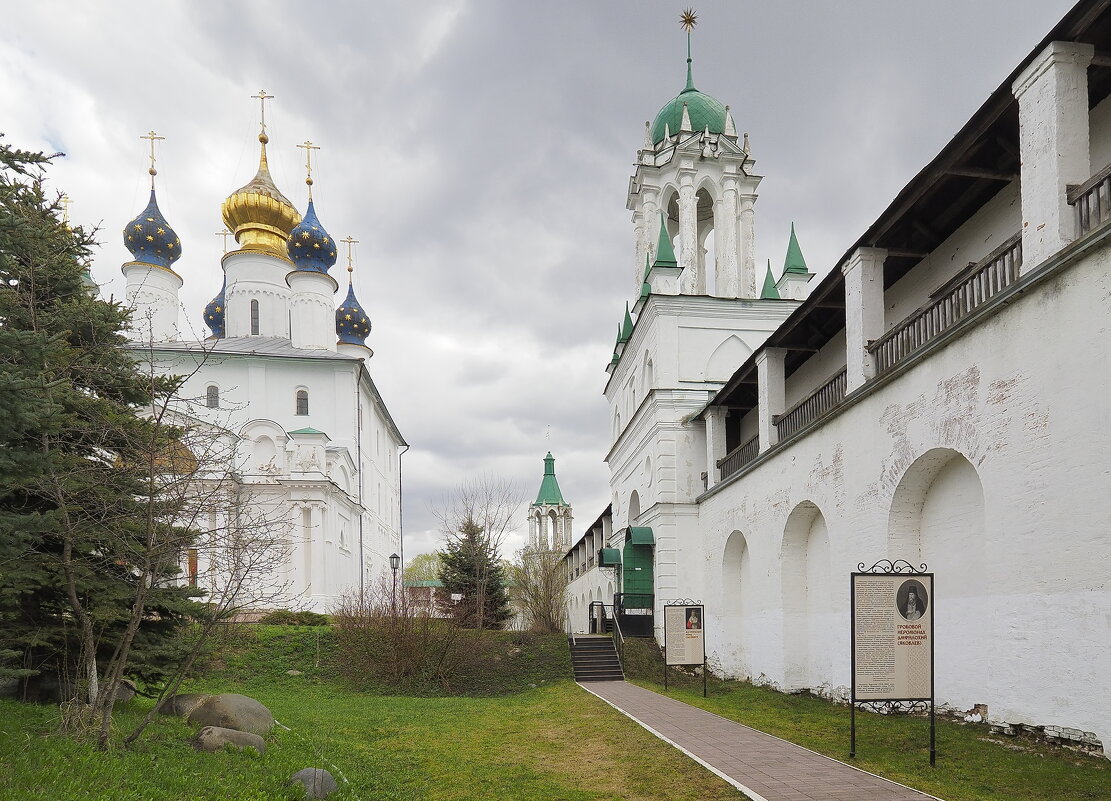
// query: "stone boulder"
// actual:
[[213, 738], [317, 782], [232, 711], [125, 691], [183, 704]]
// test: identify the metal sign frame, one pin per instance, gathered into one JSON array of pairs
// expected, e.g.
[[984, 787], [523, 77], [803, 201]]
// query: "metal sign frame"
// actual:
[[686, 603], [887, 567]]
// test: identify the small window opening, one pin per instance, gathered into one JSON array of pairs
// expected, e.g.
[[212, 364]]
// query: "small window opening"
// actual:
[[254, 318], [213, 397], [302, 401]]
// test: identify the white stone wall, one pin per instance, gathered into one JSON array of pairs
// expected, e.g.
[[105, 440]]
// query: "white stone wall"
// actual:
[[987, 460]]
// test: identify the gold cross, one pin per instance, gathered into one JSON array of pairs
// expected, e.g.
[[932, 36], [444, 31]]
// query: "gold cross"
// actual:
[[225, 233], [153, 137], [65, 201], [350, 253], [262, 97], [309, 147]]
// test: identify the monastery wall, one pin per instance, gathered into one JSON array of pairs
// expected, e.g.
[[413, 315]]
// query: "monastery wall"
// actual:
[[987, 461]]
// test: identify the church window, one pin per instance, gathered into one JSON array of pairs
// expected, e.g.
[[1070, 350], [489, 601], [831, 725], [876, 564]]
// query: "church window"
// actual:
[[254, 321], [212, 397], [302, 401]]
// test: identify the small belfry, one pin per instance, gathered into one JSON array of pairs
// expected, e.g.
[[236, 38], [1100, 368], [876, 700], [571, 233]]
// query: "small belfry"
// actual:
[[694, 171], [550, 517], [152, 284]]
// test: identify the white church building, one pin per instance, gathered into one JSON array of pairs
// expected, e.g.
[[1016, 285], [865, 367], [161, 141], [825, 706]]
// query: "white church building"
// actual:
[[285, 378], [940, 396]]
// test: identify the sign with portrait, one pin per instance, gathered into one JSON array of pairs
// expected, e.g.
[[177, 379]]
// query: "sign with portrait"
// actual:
[[684, 640], [892, 634]]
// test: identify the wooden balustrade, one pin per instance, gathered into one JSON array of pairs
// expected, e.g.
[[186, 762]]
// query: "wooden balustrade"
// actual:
[[1092, 201], [812, 407], [981, 282], [739, 457]]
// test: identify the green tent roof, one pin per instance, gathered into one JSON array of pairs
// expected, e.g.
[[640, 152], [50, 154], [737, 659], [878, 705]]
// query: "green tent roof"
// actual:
[[665, 253], [769, 292], [794, 262], [307, 431], [704, 112], [627, 326], [549, 487]]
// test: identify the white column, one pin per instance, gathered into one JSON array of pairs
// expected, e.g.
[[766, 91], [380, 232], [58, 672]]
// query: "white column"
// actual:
[[863, 313], [770, 391], [647, 220], [715, 443], [727, 278], [316, 531], [747, 245], [688, 234], [1052, 96]]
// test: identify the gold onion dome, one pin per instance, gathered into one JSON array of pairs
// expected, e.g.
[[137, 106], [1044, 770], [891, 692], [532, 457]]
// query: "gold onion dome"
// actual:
[[258, 214]]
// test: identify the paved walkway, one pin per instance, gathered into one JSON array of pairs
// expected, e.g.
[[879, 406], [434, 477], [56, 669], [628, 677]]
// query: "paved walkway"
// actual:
[[764, 767]]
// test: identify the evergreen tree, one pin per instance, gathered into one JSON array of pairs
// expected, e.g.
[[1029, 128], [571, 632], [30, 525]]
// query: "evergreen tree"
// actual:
[[81, 586], [471, 567]]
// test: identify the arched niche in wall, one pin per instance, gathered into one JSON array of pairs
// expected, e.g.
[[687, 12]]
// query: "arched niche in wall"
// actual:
[[634, 507], [263, 444], [726, 358], [807, 589], [738, 601], [938, 518]]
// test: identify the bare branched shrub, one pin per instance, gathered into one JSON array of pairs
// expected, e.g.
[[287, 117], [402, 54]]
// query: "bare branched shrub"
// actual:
[[381, 638], [539, 586]]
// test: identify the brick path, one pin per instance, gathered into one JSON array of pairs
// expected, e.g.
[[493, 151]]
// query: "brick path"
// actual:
[[764, 767]]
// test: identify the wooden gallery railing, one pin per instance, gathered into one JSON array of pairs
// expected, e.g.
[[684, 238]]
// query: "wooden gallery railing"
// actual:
[[739, 457], [809, 409], [1092, 201], [968, 291]]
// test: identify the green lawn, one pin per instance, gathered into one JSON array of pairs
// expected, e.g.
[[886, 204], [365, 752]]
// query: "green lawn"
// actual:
[[552, 742], [972, 764]]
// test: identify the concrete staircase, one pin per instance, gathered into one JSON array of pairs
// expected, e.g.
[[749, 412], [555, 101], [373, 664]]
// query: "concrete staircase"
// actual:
[[594, 658]]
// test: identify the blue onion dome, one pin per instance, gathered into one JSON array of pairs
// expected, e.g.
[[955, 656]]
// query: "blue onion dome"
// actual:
[[150, 238], [352, 323], [310, 246], [214, 314]]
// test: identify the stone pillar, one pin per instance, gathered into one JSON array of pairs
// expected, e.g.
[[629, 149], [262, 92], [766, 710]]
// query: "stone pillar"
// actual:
[[715, 443], [319, 549], [1052, 96], [863, 313], [727, 280], [647, 220], [747, 246], [688, 234], [770, 392]]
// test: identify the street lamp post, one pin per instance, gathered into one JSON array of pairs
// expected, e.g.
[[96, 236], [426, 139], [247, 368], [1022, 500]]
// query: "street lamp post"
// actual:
[[395, 563]]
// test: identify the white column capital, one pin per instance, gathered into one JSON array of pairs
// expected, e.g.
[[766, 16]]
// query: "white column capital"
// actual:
[[1070, 54]]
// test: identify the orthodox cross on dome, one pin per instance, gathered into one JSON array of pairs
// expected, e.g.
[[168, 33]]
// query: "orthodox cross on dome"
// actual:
[[262, 97], [65, 201], [153, 137], [350, 242], [308, 147], [225, 233]]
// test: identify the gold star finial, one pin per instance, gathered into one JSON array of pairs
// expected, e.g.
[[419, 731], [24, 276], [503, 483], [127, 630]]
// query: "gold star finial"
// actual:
[[309, 147], [688, 19], [153, 137], [225, 233], [262, 97], [350, 242]]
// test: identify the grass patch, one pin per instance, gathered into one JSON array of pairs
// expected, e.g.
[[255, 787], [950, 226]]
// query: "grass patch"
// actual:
[[552, 742], [972, 764]]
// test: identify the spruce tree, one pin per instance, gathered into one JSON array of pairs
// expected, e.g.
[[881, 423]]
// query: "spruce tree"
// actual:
[[78, 496], [471, 568]]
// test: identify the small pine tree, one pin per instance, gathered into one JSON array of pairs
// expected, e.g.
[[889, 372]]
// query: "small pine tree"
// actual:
[[471, 568]]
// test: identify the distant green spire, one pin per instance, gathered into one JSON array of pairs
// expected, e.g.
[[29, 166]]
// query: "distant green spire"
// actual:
[[646, 288], [665, 253], [549, 487], [794, 263], [769, 292], [627, 327]]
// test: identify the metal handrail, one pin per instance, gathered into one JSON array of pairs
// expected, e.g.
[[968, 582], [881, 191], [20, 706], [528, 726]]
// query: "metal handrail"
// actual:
[[618, 642]]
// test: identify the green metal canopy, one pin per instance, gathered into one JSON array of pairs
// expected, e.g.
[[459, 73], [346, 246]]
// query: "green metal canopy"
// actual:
[[609, 557], [704, 111], [641, 535]]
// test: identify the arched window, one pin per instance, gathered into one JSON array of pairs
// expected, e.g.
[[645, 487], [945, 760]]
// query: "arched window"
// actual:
[[302, 401], [254, 321], [212, 397]]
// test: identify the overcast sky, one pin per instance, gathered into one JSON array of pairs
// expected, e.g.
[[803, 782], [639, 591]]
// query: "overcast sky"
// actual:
[[480, 151]]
